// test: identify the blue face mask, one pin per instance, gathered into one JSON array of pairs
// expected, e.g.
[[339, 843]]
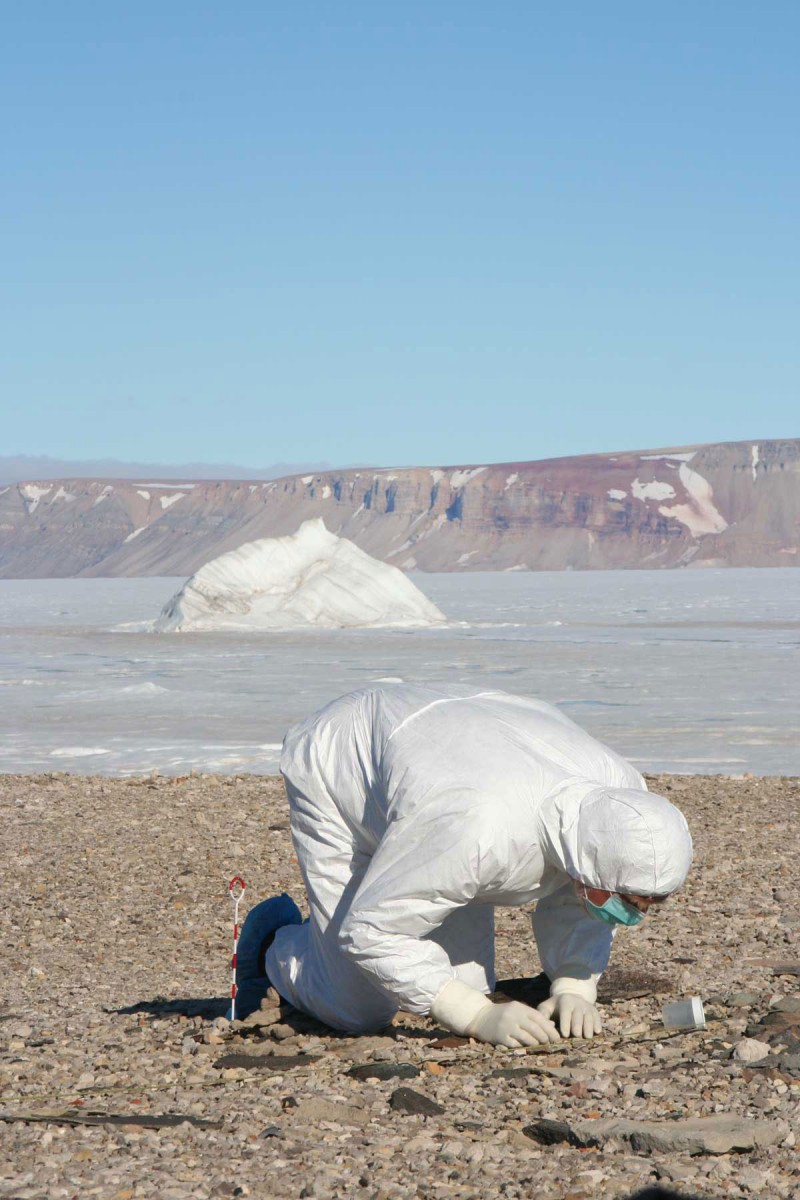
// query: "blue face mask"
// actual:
[[614, 912]]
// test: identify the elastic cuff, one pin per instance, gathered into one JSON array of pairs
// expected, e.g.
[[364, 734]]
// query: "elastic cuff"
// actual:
[[458, 1005], [585, 988]]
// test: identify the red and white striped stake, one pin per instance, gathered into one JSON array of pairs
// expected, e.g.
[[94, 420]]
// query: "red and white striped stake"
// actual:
[[236, 900]]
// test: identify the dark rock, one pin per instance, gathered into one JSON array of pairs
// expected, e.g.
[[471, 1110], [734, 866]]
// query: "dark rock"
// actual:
[[780, 1021], [511, 1073], [786, 969], [142, 1120], [384, 1070], [267, 1062], [550, 1133], [405, 1100], [272, 1131]]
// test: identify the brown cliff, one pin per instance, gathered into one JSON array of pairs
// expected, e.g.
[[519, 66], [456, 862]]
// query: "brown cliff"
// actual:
[[731, 504]]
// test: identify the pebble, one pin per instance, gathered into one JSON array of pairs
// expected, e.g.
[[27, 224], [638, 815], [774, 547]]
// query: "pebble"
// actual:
[[750, 1050]]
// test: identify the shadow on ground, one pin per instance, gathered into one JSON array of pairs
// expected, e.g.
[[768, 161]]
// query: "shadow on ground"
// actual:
[[616, 985], [208, 1007], [659, 1193]]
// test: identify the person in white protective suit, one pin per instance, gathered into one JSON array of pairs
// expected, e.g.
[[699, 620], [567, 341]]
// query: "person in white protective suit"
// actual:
[[414, 812]]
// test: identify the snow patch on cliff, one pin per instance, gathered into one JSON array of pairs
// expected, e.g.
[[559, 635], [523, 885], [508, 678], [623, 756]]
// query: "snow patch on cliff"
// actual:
[[655, 490], [687, 456], [700, 516], [34, 494], [616, 494], [754, 460], [312, 579], [459, 478], [168, 501]]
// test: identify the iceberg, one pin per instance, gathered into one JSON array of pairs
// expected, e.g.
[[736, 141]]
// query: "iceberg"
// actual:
[[311, 579]]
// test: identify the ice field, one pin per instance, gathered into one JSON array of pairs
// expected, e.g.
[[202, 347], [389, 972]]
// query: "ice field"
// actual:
[[686, 671]]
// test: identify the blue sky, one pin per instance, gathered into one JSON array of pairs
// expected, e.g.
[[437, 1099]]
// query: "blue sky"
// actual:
[[397, 233]]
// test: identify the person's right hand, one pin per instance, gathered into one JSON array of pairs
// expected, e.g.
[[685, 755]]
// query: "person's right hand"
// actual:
[[575, 1014], [514, 1025]]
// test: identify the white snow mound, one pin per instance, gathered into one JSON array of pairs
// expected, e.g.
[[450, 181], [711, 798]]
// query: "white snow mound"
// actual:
[[310, 579]]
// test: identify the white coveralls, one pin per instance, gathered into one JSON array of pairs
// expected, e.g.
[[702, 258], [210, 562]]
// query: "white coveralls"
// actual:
[[414, 811]]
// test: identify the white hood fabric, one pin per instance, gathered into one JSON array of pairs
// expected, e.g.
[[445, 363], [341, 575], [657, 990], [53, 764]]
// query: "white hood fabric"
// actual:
[[619, 839], [414, 811]]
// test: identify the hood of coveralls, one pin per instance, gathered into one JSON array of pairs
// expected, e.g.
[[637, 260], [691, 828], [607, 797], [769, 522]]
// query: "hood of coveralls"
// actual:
[[617, 839]]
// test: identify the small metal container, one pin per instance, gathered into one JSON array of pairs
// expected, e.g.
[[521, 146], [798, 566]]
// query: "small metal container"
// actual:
[[684, 1014]]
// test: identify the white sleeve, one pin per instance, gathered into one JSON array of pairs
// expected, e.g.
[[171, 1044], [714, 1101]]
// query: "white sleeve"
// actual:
[[572, 944], [427, 864]]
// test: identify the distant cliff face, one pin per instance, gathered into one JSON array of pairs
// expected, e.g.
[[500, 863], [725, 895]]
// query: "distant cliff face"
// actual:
[[733, 504]]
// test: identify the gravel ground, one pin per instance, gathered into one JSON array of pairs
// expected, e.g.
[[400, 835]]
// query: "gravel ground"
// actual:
[[117, 927]]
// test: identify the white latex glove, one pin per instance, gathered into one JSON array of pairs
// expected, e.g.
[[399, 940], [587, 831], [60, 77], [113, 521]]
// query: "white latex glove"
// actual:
[[513, 1024], [573, 1014], [467, 1011]]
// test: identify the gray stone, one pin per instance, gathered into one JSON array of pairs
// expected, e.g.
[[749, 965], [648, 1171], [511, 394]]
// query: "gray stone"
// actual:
[[742, 999], [281, 1032], [786, 1004], [315, 1109], [405, 1100], [261, 1018], [696, 1135]]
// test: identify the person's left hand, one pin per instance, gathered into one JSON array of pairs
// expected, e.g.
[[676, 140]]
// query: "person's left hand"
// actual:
[[572, 1014]]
